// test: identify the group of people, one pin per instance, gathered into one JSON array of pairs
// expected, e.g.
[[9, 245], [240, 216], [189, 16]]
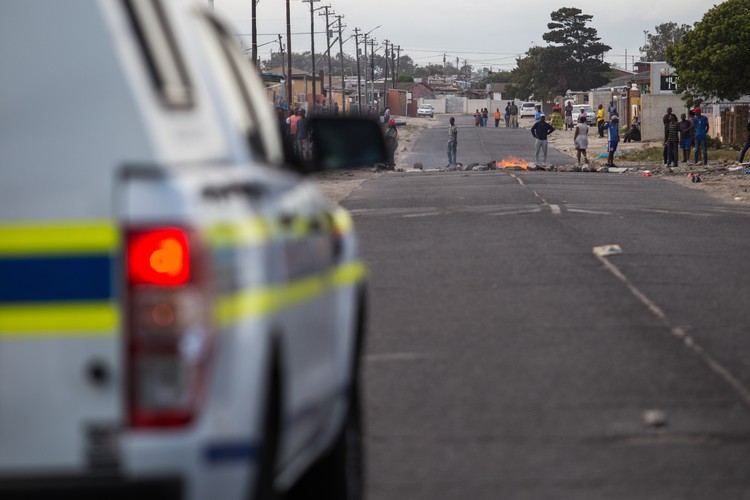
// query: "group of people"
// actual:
[[297, 131], [691, 131], [542, 129]]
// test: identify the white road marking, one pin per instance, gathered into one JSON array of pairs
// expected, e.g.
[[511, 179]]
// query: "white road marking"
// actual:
[[428, 214], [679, 332], [581, 211], [555, 209], [518, 212]]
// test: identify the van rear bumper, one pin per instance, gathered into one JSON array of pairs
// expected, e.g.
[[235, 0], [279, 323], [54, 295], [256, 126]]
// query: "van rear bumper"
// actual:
[[92, 487]]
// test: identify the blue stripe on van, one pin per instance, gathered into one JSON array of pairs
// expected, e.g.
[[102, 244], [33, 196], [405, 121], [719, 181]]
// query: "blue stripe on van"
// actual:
[[65, 278], [231, 451]]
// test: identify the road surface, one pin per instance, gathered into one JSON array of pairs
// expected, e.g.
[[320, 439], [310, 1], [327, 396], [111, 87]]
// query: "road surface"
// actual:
[[506, 360]]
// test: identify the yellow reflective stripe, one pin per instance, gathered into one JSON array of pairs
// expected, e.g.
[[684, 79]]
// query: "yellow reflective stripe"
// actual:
[[249, 232], [342, 221], [230, 308], [50, 238], [268, 300], [80, 319], [348, 274]]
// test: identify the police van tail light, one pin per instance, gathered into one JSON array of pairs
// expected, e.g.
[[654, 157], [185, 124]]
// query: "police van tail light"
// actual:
[[169, 333]]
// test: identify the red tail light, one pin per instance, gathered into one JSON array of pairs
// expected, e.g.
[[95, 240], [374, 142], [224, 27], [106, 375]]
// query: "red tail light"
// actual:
[[169, 333]]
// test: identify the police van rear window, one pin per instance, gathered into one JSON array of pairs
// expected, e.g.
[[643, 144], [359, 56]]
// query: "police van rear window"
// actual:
[[165, 65]]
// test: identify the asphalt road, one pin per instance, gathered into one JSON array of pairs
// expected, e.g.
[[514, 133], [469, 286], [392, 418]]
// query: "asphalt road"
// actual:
[[506, 361], [475, 144]]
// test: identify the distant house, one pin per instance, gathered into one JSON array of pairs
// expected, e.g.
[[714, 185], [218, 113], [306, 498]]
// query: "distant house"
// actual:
[[302, 87]]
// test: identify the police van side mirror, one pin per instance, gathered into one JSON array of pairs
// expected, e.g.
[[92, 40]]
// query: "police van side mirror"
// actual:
[[345, 143]]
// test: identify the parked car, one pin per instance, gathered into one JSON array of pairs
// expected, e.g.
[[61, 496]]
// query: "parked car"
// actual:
[[590, 113], [527, 109], [181, 310], [425, 110]]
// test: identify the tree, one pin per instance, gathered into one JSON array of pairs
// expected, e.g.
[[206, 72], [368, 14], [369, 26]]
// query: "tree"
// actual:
[[667, 34], [404, 78], [534, 74], [713, 59], [496, 77], [571, 60]]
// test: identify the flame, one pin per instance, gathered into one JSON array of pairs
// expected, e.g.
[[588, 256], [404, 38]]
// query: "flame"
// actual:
[[512, 162]]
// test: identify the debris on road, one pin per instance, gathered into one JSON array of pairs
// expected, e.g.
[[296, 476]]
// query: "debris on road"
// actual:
[[607, 250], [654, 419]]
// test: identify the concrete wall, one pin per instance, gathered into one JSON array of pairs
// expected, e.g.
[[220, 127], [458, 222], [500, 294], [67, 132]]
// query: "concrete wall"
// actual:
[[468, 106], [653, 108], [437, 104]]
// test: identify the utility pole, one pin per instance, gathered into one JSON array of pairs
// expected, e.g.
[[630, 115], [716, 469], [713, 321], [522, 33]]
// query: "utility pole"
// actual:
[[398, 62], [255, 34], [328, 53], [341, 57], [287, 79], [372, 68], [359, 82], [445, 74], [289, 56], [312, 47], [385, 80], [393, 66], [367, 97]]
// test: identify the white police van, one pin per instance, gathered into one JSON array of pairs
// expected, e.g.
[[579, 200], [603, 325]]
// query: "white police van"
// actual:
[[181, 312]]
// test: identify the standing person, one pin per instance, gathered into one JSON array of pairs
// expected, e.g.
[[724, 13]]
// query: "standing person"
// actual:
[[556, 120], [686, 136], [540, 130], [498, 116], [291, 127], [747, 144], [666, 119], [538, 113], [673, 140], [701, 135], [600, 120], [568, 115], [303, 136], [583, 114], [507, 115], [477, 118], [691, 118], [614, 138], [386, 114], [514, 115], [612, 109], [391, 142], [335, 109], [452, 141], [581, 139], [485, 115]]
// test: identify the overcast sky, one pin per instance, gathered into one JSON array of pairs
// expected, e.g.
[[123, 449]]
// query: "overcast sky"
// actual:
[[487, 33]]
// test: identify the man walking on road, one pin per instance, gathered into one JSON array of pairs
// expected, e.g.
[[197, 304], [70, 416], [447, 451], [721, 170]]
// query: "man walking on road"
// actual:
[[540, 130], [452, 141]]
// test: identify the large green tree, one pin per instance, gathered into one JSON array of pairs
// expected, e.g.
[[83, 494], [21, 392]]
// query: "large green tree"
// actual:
[[713, 59], [667, 34], [572, 58]]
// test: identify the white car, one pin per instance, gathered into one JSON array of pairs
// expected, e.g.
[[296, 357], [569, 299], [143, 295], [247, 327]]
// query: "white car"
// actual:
[[425, 110], [527, 109], [587, 109], [181, 311]]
